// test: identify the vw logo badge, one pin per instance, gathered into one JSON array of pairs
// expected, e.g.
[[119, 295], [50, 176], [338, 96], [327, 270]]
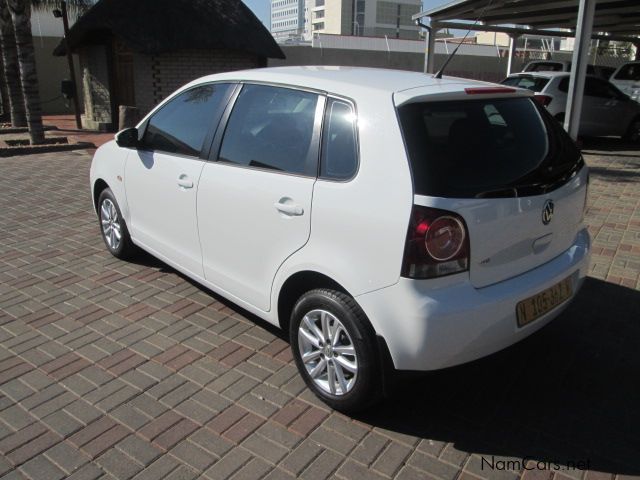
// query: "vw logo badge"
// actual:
[[547, 212]]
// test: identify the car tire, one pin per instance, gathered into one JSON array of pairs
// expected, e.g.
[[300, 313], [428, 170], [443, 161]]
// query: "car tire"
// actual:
[[350, 378], [633, 132], [112, 224]]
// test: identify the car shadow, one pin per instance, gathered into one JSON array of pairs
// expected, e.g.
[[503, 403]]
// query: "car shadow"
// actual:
[[145, 259], [609, 174], [604, 145], [569, 393]]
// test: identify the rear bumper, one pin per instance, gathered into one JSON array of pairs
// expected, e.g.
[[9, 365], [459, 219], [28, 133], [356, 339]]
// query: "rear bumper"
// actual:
[[429, 327]]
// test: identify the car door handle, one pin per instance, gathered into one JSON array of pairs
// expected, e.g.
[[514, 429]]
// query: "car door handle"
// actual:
[[184, 181], [289, 208]]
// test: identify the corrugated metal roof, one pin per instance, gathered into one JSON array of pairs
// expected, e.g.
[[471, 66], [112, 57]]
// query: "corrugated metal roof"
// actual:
[[618, 18]]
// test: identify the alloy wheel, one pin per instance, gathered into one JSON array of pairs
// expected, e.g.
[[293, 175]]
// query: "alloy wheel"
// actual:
[[327, 352], [110, 220]]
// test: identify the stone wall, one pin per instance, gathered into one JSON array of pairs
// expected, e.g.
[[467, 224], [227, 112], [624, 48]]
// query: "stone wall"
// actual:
[[157, 76], [491, 69], [95, 88]]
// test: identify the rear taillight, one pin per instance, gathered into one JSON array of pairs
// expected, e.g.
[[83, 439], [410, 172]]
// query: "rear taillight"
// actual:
[[437, 244], [543, 100]]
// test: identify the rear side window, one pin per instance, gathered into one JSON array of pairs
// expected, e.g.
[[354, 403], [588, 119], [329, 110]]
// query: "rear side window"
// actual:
[[272, 128], [535, 84], [339, 159], [482, 148], [629, 72], [182, 124]]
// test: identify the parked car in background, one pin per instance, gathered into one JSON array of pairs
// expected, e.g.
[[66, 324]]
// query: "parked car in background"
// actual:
[[627, 79], [606, 111], [564, 66], [547, 66], [381, 218]]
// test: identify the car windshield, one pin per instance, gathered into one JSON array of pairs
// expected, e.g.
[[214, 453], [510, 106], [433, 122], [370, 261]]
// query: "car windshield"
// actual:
[[485, 148], [535, 84]]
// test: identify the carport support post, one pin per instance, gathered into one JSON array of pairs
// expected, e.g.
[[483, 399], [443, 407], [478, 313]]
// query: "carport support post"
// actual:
[[513, 41], [430, 59], [584, 29]]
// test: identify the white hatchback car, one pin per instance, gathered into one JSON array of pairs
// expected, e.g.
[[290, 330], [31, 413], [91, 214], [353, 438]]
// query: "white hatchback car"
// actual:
[[627, 79], [606, 111], [382, 218]]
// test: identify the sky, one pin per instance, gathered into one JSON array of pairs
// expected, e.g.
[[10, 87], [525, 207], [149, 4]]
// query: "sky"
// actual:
[[261, 7]]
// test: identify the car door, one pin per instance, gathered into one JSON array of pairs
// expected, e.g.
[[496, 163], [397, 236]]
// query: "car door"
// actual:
[[627, 79], [600, 108], [161, 176], [254, 199]]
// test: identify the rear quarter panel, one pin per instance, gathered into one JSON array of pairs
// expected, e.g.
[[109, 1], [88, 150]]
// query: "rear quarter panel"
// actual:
[[358, 227]]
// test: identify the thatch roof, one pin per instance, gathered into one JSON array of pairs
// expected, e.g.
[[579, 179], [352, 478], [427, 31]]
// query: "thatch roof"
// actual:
[[158, 26]]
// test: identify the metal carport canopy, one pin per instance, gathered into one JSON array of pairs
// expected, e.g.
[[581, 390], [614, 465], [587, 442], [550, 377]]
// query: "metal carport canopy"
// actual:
[[609, 19]]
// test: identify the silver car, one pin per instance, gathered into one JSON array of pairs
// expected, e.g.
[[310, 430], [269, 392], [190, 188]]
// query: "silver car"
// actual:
[[606, 111]]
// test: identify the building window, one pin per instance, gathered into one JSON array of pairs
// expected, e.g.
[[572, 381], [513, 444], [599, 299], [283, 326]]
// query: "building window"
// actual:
[[318, 26]]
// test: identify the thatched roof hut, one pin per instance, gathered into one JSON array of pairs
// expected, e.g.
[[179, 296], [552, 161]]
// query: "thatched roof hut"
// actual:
[[136, 52], [160, 26]]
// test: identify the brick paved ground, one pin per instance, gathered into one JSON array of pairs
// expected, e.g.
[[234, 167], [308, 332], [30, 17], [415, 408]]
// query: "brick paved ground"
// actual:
[[127, 370]]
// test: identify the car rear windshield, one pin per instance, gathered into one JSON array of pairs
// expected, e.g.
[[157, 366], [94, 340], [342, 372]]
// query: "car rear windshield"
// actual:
[[486, 148], [535, 84], [545, 67]]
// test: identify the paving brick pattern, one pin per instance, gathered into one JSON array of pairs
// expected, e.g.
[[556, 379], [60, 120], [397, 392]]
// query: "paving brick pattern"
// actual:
[[117, 370]]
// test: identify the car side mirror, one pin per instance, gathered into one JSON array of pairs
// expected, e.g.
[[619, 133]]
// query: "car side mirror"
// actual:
[[128, 138]]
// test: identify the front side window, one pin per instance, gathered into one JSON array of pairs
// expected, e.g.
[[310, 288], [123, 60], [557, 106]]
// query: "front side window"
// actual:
[[182, 125], [339, 148], [272, 128]]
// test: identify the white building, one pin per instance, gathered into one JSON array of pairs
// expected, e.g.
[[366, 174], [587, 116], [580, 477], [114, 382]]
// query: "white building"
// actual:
[[371, 18], [287, 19]]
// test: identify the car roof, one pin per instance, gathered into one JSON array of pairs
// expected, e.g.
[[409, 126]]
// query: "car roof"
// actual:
[[347, 81]]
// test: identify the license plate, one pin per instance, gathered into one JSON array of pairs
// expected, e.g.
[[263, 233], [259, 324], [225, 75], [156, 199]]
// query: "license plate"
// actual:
[[534, 307]]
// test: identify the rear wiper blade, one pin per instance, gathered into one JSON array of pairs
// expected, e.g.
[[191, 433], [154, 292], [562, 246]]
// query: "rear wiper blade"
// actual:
[[508, 192], [515, 190]]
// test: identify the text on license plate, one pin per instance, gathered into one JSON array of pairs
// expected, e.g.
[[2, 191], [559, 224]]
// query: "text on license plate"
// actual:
[[534, 307]]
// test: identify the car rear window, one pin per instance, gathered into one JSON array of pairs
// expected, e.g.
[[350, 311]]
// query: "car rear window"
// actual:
[[545, 67], [485, 148], [535, 84]]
